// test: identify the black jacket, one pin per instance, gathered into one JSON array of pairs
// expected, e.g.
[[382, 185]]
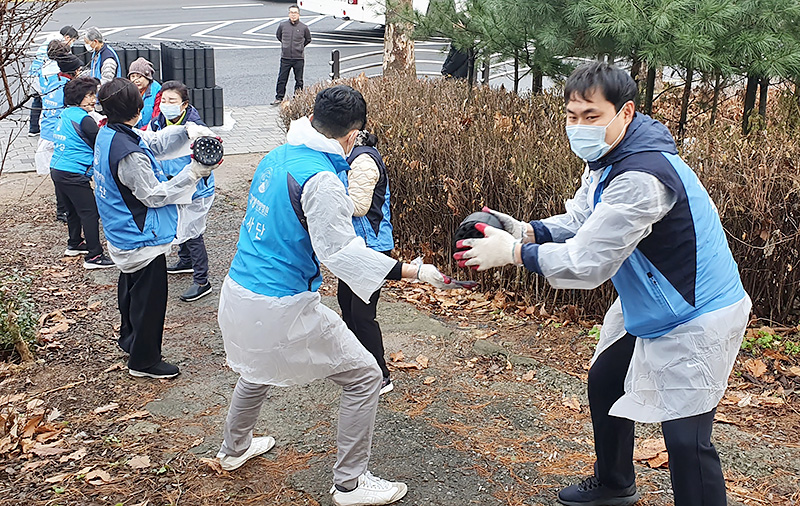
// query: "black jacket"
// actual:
[[294, 38]]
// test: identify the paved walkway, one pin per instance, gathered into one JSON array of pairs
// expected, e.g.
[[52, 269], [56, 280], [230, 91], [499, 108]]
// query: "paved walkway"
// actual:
[[253, 130]]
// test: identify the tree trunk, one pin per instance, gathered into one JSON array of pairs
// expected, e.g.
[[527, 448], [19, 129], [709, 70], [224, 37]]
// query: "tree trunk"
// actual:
[[516, 71], [636, 67], [471, 68], [749, 102], [715, 99], [687, 92], [398, 43], [649, 89], [537, 79], [762, 97]]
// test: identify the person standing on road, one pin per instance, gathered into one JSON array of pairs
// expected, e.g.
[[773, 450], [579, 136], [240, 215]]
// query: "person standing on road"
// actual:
[[367, 185], [105, 62], [192, 254], [137, 204], [44, 67], [274, 326], [71, 171], [294, 36], [668, 343]]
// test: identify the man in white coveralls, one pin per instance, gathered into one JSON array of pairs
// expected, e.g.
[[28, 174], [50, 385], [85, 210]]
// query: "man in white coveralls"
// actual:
[[276, 331], [668, 343]]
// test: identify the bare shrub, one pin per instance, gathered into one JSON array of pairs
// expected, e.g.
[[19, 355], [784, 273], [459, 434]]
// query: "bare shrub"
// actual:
[[448, 156]]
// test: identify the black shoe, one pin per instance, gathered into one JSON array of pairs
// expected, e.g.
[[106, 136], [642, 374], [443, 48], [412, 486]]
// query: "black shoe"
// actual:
[[195, 292], [62, 217], [386, 385], [590, 492], [162, 370], [80, 249], [179, 268], [33, 134], [100, 261]]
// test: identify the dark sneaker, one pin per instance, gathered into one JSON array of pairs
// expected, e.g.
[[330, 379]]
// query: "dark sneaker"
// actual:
[[386, 385], [195, 292], [33, 134], [80, 249], [100, 261], [62, 217], [179, 268], [162, 370], [590, 492]]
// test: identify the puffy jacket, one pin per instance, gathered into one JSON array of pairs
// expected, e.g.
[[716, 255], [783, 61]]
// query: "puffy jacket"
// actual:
[[375, 226], [206, 186], [127, 223], [294, 38]]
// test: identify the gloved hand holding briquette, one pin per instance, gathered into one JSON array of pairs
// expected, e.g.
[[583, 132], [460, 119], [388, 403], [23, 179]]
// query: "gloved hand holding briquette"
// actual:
[[496, 249]]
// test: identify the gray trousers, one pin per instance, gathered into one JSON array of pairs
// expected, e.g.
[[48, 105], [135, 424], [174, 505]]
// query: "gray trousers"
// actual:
[[357, 408]]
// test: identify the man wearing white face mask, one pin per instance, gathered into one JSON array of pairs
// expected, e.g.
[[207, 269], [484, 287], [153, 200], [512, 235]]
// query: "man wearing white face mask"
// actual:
[[668, 343]]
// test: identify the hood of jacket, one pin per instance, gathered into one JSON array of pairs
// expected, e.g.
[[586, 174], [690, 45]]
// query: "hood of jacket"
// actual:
[[643, 134]]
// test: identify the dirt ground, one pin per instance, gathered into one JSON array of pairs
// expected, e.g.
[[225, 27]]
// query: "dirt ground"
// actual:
[[489, 405]]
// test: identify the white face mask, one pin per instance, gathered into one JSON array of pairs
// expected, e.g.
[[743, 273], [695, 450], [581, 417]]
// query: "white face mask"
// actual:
[[589, 141], [88, 47], [171, 111]]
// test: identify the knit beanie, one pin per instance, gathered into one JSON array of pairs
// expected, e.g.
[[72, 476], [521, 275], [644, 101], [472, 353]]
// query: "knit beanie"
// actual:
[[68, 63], [142, 67]]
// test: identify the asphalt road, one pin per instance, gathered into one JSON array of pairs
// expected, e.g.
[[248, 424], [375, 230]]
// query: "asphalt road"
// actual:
[[243, 35]]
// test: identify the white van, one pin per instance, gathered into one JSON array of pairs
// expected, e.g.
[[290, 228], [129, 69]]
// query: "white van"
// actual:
[[365, 11]]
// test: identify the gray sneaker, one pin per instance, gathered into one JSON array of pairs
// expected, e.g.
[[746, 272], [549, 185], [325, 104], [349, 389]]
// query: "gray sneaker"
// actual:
[[100, 261]]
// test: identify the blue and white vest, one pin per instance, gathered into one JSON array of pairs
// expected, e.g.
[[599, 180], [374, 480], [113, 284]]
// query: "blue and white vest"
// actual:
[[127, 223], [98, 57], [274, 256], [52, 104], [684, 268], [73, 151], [375, 226]]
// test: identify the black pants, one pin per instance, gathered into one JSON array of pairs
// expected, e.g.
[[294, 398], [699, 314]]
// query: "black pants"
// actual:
[[694, 465], [75, 192], [36, 112], [142, 298], [287, 64], [360, 319], [194, 252]]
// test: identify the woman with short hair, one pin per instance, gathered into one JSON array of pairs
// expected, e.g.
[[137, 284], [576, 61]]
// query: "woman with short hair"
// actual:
[[71, 171], [137, 201], [175, 109]]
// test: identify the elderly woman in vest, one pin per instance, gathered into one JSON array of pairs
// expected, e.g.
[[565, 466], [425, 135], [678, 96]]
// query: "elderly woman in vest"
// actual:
[[137, 202], [192, 255], [141, 74], [71, 171], [368, 187]]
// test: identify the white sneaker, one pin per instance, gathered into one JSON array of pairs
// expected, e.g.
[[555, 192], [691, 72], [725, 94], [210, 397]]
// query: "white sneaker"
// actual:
[[258, 446], [370, 490]]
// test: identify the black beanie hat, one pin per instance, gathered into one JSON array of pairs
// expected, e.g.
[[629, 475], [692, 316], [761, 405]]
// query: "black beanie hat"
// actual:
[[68, 63]]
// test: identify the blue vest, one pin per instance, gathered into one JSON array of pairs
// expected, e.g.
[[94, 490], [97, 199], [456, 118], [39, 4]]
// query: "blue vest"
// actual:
[[684, 268], [274, 256], [127, 223], [149, 101], [73, 151], [52, 104], [375, 226], [205, 187], [99, 57]]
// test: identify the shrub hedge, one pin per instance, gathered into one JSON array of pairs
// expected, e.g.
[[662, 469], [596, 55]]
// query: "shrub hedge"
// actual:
[[448, 156]]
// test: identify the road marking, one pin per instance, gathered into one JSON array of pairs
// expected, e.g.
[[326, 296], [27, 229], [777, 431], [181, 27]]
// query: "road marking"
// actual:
[[342, 26], [253, 31], [152, 35], [318, 18], [219, 6]]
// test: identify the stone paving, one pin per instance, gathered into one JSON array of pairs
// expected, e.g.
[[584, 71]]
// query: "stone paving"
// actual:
[[256, 129]]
